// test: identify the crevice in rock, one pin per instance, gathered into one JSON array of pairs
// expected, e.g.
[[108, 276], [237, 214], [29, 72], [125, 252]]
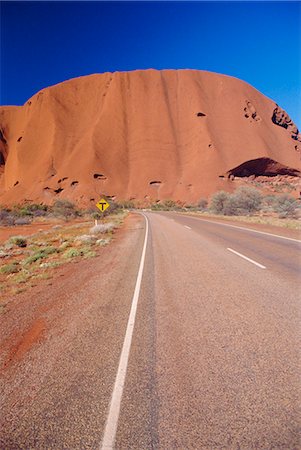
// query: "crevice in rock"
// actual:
[[99, 176], [74, 183], [200, 114], [2, 160], [2, 138], [16, 183], [19, 139], [155, 183], [57, 191], [46, 188], [62, 179], [282, 119], [262, 167], [250, 112]]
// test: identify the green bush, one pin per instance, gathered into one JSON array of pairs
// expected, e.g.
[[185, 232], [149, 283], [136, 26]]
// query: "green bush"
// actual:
[[203, 203], [20, 241], [64, 208], [72, 253], [34, 257], [40, 254], [218, 201], [248, 200], [10, 268], [244, 201], [286, 206], [126, 204]]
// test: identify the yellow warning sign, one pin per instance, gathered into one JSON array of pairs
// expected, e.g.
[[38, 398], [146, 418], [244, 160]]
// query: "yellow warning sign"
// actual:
[[102, 205]]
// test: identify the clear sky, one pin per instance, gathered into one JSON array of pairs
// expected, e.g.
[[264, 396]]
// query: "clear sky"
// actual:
[[43, 43]]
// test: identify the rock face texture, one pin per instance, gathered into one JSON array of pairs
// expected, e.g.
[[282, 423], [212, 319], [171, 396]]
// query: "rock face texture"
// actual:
[[144, 135]]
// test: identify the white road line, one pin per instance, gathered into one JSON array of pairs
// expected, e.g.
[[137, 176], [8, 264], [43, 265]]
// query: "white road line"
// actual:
[[247, 229], [114, 410], [187, 227], [248, 259]]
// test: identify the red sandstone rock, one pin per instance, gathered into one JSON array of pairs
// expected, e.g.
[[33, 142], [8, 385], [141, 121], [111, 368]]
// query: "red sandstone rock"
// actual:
[[143, 135]]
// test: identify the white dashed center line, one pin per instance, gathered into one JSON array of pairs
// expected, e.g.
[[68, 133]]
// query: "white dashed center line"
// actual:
[[248, 259]]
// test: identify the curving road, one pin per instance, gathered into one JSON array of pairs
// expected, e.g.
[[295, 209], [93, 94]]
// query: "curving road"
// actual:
[[214, 356]]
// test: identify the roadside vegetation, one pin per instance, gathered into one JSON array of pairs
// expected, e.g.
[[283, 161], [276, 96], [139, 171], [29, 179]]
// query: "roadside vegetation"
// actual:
[[72, 235], [246, 204]]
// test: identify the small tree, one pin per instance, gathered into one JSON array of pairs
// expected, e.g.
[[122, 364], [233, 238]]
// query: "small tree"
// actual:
[[64, 208], [286, 206], [203, 203], [246, 200], [218, 201]]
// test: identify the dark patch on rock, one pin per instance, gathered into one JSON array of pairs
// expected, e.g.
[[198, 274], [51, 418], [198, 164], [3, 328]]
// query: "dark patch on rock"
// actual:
[[262, 166], [282, 119]]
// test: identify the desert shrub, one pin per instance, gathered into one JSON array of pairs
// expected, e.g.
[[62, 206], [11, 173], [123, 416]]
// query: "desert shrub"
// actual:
[[126, 204], [243, 201], [40, 254], [23, 221], [203, 203], [10, 268], [85, 239], [4, 213], [102, 228], [6, 217], [49, 250], [64, 208], [39, 213], [269, 200], [20, 241], [86, 252], [218, 201], [166, 205], [102, 242], [33, 258], [22, 211], [169, 204], [246, 200], [156, 207], [286, 206], [63, 246], [37, 207], [72, 253]]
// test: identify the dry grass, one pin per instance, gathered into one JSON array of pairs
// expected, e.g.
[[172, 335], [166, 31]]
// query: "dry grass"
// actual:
[[294, 224], [45, 251]]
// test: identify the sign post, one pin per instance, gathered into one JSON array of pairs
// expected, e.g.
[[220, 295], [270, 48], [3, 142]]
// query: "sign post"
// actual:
[[102, 205]]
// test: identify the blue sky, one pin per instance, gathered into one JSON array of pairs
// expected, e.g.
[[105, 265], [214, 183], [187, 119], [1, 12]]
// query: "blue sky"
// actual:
[[43, 43]]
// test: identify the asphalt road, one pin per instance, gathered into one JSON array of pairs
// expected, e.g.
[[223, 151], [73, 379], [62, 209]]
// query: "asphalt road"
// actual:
[[214, 360]]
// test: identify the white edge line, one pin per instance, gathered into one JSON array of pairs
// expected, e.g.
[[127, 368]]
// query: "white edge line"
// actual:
[[248, 259], [245, 228], [186, 226], [114, 409]]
